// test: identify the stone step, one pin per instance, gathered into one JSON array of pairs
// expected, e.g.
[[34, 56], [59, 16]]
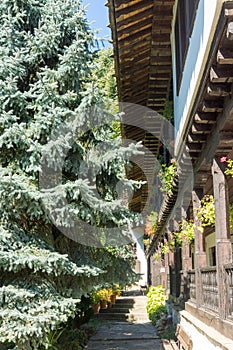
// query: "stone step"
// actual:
[[125, 345], [122, 330], [122, 310], [115, 310], [130, 317], [125, 301], [122, 306], [131, 304], [137, 318], [112, 316]]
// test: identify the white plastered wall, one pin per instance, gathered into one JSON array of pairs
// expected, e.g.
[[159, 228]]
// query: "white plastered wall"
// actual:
[[137, 235], [205, 24]]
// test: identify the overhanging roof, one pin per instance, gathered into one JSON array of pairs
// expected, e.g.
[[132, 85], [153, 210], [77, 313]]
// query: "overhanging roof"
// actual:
[[142, 50]]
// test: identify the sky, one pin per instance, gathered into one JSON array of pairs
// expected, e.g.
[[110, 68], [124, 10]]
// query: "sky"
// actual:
[[98, 14]]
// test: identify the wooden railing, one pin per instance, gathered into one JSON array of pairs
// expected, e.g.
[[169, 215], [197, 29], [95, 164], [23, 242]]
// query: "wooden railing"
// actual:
[[209, 288], [192, 285], [229, 291]]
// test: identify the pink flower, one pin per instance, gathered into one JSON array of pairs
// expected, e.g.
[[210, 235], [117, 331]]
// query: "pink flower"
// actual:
[[172, 143], [223, 159], [172, 160]]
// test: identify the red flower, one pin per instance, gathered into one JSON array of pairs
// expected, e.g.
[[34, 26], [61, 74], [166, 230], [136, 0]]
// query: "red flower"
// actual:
[[172, 161]]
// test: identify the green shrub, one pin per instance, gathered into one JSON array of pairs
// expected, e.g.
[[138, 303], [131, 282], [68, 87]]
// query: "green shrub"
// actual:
[[73, 339], [169, 333], [156, 304], [68, 339]]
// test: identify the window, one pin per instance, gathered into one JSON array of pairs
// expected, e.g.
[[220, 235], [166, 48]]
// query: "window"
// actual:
[[186, 12]]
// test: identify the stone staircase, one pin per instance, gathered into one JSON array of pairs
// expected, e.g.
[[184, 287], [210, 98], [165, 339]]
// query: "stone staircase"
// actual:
[[127, 308], [125, 326]]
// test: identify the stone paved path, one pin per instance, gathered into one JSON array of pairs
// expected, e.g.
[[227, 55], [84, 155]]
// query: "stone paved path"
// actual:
[[125, 335]]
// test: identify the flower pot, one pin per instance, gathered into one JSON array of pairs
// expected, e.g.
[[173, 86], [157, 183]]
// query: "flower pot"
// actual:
[[113, 298], [96, 308], [109, 304], [103, 304]]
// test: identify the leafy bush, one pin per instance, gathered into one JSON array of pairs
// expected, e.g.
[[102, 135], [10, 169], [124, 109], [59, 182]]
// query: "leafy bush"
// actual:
[[74, 339], [169, 333], [69, 339], [156, 305]]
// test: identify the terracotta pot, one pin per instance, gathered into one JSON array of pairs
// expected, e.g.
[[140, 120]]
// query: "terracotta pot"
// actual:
[[103, 304], [96, 308], [113, 298], [110, 304]]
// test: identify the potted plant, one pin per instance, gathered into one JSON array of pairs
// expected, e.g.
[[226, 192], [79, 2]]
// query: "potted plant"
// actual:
[[116, 291], [95, 299], [110, 293], [104, 297]]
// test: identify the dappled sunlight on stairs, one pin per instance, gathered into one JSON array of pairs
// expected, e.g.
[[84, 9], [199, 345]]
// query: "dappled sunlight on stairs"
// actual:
[[125, 326]]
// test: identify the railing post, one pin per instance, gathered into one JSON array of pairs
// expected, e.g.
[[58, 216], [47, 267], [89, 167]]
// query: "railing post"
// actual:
[[200, 254], [222, 229]]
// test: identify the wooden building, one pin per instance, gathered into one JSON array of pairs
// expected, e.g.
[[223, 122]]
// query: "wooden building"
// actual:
[[183, 50]]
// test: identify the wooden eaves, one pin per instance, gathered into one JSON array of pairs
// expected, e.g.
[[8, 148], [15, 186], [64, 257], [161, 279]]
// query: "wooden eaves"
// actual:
[[142, 50]]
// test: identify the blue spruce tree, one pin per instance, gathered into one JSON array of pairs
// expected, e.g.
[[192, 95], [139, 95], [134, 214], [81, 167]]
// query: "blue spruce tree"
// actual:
[[48, 257]]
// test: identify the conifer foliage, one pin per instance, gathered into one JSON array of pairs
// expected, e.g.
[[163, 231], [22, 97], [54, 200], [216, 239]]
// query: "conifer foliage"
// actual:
[[45, 67]]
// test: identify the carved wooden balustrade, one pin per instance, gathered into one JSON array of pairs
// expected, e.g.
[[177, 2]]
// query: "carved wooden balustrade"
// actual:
[[229, 291], [209, 288], [192, 285]]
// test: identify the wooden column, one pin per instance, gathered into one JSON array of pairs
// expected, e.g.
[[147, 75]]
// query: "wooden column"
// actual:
[[167, 279], [186, 259], [186, 264], [200, 254], [222, 229]]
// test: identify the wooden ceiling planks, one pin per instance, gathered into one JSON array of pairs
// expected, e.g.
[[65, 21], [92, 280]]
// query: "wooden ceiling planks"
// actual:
[[142, 50]]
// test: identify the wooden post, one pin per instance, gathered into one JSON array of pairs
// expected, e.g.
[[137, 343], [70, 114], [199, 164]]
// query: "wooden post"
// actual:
[[186, 264], [166, 263], [222, 229], [200, 254], [186, 258]]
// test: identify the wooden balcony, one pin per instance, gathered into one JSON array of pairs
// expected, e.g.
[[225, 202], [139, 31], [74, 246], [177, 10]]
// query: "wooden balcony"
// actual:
[[209, 302]]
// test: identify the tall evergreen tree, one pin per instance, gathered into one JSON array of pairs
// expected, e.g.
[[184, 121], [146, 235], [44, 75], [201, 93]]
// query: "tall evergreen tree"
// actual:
[[45, 64]]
